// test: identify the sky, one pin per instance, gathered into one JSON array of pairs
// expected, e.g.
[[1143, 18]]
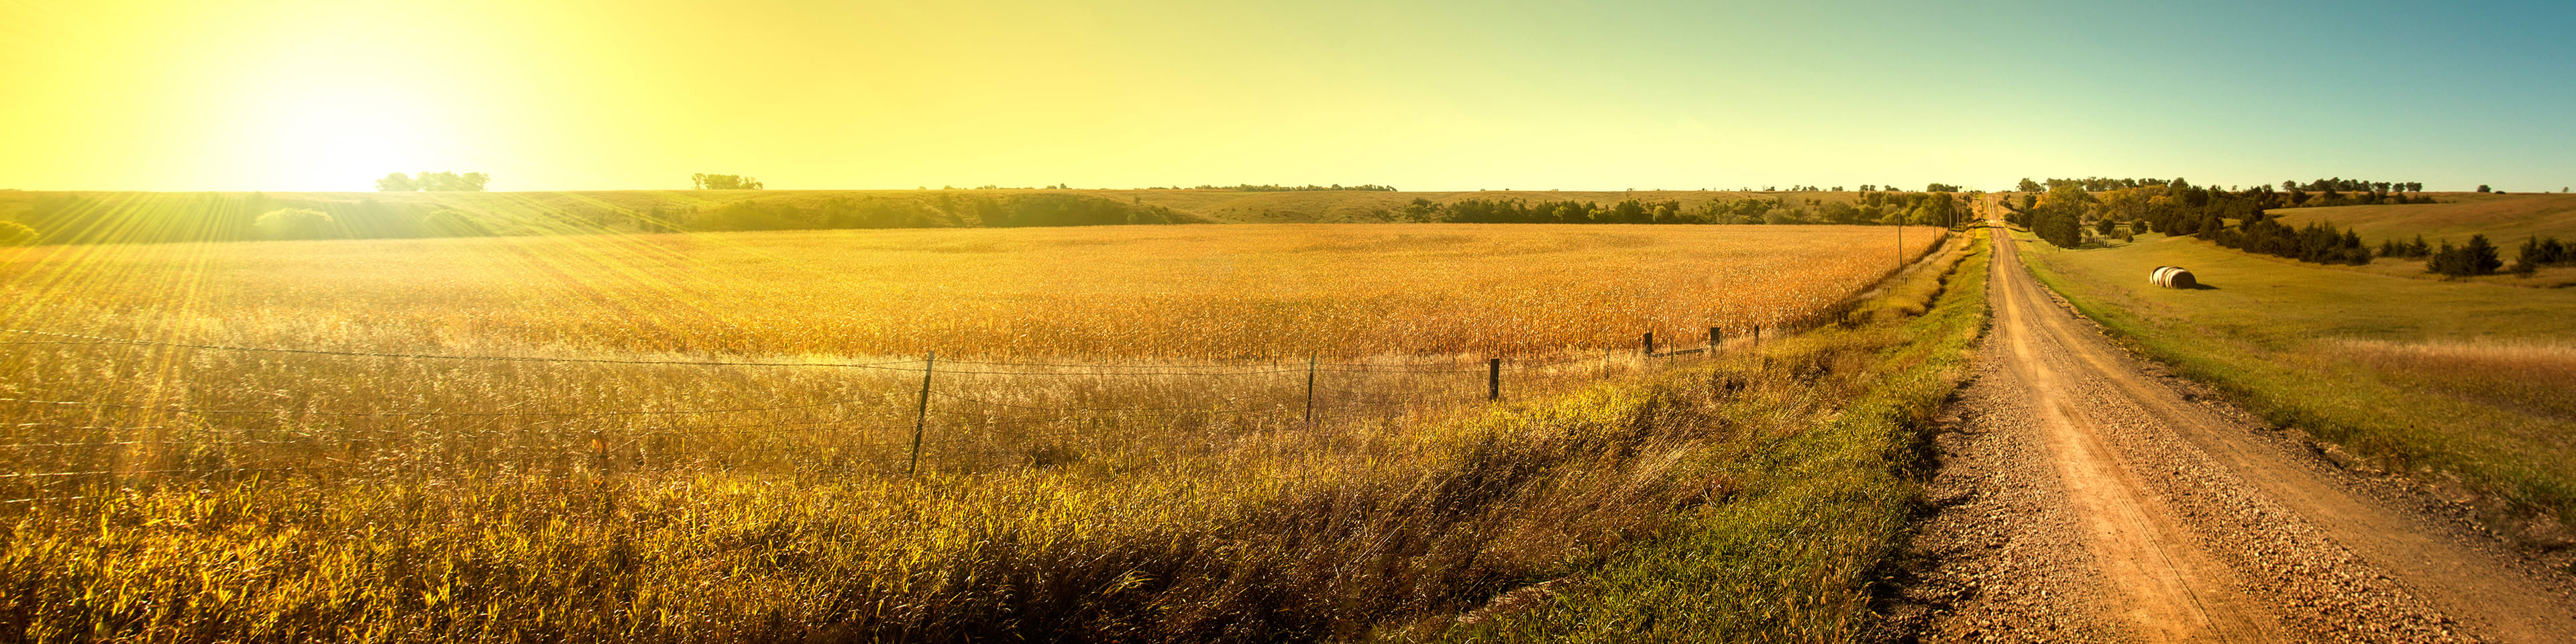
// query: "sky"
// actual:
[[639, 94]]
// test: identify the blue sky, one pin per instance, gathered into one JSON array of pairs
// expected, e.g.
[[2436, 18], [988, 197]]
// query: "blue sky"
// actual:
[[594, 94]]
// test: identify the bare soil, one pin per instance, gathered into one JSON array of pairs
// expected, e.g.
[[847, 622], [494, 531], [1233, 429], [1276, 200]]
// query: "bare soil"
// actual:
[[2085, 496]]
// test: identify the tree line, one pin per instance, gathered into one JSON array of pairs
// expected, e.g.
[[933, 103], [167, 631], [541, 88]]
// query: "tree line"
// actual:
[[1871, 208], [2293, 194], [1305, 188], [434, 182], [944, 211], [2240, 219], [2177, 207], [704, 181]]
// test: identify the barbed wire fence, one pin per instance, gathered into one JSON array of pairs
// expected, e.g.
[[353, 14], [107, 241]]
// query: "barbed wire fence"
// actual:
[[196, 443], [956, 412]]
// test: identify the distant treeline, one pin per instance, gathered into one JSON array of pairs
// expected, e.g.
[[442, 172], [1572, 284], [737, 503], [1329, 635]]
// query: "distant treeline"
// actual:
[[116, 218], [1272, 188], [947, 210], [1913, 208], [2317, 193], [434, 182], [2479, 257], [2237, 219], [2317, 242], [2177, 207]]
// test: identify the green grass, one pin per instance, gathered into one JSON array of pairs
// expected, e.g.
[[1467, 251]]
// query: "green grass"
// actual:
[[2506, 220], [2471, 379], [2503, 218], [1812, 514]]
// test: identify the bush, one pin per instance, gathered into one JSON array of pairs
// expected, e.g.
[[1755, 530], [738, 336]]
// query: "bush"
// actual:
[[16, 234], [294, 223]]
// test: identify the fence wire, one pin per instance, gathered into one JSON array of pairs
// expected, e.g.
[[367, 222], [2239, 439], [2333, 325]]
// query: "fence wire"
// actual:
[[1346, 393]]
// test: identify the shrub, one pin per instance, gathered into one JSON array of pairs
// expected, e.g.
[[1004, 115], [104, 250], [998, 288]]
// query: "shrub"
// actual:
[[16, 234], [294, 223]]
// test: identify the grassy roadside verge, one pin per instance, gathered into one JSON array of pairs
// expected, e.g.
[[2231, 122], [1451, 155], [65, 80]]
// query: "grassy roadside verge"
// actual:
[[2454, 383], [1811, 507]]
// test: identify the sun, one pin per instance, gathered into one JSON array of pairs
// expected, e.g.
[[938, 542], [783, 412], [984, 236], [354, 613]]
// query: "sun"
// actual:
[[326, 132]]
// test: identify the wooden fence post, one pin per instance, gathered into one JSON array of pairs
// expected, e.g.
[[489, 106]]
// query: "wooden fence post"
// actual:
[[1310, 389], [1494, 379], [1650, 344], [1713, 338], [1757, 334], [921, 413]]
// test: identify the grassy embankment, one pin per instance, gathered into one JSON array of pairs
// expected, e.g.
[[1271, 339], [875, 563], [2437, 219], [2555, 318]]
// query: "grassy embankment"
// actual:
[[1746, 497], [2506, 220], [2466, 380], [1811, 511]]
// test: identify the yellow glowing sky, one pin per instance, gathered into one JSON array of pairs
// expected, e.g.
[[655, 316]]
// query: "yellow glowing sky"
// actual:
[[568, 94]]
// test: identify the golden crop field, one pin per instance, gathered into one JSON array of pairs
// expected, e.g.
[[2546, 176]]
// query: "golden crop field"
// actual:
[[469, 436], [602, 340], [1116, 294]]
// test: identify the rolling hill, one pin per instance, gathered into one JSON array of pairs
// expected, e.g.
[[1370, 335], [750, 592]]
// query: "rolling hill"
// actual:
[[2506, 219]]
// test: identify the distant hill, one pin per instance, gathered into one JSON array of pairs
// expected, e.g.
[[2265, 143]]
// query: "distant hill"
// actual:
[[1214, 206], [86, 217], [2506, 219]]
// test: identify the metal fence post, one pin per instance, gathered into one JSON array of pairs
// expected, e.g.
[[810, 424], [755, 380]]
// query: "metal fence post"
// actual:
[[921, 413]]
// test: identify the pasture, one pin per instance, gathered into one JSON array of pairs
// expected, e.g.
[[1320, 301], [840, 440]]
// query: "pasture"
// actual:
[[1194, 432], [2507, 221], [2469, 380]]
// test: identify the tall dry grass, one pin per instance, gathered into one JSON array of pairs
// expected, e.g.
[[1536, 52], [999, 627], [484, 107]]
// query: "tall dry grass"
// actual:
[[2531, 376], [217, 494]]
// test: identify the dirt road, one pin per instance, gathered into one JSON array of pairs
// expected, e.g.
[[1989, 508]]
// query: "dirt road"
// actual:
[[2084, 497]]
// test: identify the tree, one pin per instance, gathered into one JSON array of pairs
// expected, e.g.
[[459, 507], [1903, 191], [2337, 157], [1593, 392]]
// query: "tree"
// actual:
[[2476, 258], [396, 182], [723, 182], [2483, 188], [2060, 215], [445, 181], [2028, 185]]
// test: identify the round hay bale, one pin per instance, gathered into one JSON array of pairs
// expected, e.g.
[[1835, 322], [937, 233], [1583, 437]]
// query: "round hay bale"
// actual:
[[2179, 278], [2157, 277]]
